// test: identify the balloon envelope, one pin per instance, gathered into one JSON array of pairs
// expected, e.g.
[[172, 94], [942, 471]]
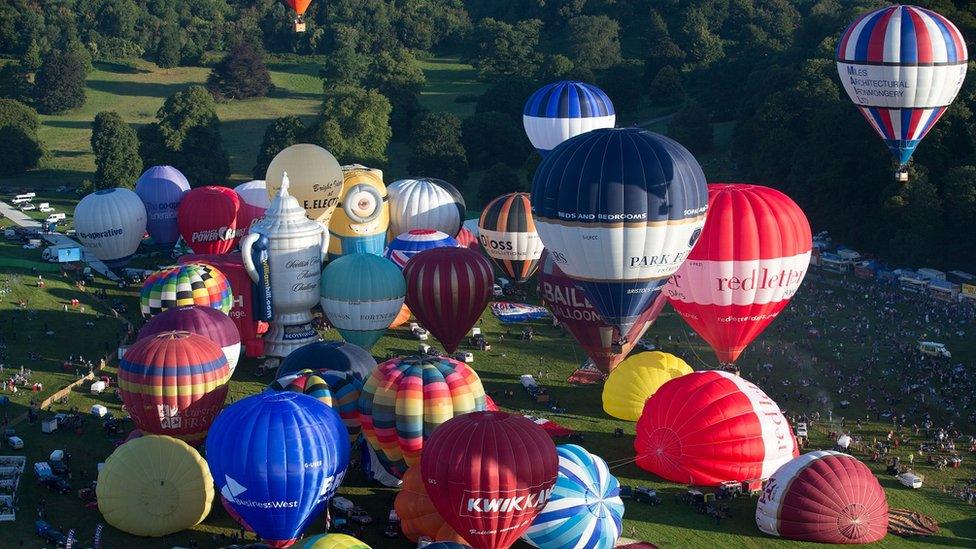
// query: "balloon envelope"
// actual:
[[425, 203], [618, 211], [300, 6], [161, 189], [254, 193], [277, 458], [361, 296], [414, 241], [337, 390], [362, 217], [329, 355], [209, 217], [508, 236], [637, 378], [111, 223], [184, 285], [314, 176], [565, 109], [197, 319], [418, 516]]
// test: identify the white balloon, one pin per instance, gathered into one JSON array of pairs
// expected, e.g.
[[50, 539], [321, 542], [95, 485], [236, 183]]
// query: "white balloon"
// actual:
[[254, 193], [111, 223], [425, 203]]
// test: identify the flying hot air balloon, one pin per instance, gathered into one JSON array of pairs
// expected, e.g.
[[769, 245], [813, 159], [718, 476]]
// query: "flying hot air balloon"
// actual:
[[208, 219], [184, 285], [161, 189], [619, 210], [405, 399], [111, 224], [362, 217], [425, 203], [489, 474], [278, 458], [418, 516], [750, 260], [447, 290], [174, 383], [571, 308], [508, 236], [824, 497], [198, 319], [902, 66], [565, 109], [337, 390], [329, 355], [361, 296], [414, 241], [314, 176], [708, 427], [635, 379], [299, 7]]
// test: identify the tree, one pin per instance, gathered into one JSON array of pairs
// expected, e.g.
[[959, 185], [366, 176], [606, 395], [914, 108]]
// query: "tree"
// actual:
[[22, 150], [500, 48], [690, 126], [15, 83], [168, 49], [60, 83], [185, 109], [555, 67], [117, 18], [622, 82], [507, 95], [594, 41], [116, 148], [203, 159], [498, 180], [666, 88], [354, 125], [31, 61], [662, 50], [492, 137], [280, 134], [703, 46], [241, 74], [345, 63], [15, 113], [399, 77], [436, 149]]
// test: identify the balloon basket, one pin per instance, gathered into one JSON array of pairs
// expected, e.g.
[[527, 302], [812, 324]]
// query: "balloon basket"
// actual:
[[901, 175], [299, 25]]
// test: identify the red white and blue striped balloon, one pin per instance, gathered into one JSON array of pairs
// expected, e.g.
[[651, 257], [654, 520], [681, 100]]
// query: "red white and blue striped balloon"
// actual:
[[585, 510], [412, 242], [902, 66], [558, 111]]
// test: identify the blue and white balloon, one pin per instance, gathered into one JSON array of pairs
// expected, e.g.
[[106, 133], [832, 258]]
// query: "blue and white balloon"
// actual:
[[558, 111], [111, 223], [412, 242], [425, 203]]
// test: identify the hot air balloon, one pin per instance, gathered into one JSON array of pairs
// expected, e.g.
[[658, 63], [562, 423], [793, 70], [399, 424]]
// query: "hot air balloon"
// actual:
[[824, 497], [362, 217], [255, 194], [585, 510], [448, 545], [619, 210], [197, 319], [571, 308], [183, 285], [329, 355], [414, 241], [277, 458], [315, 179], [447, 290], [637, 378], [208, 218], [154, 486], [405, 399], [425, 203], [111, 224], [337, 390], [489, 474], [902, 66], [708, 427], [361, 295], [299, 7], [466, 239], [418, 516], [161, 189], [751, 258], [561, 110], [508, 235], [174, 383], [333, 541]]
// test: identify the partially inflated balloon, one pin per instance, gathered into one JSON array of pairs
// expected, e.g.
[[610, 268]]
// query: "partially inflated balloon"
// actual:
[[197, 319], [209, 219], [314, 176], [183, 285], [277, 459], [425, 203], [418, 516], [361, 296], [154, 486], [561, 110], [161, 189], [111, 224], [638, 377], [508, 235], [618, 211], [329, 355]]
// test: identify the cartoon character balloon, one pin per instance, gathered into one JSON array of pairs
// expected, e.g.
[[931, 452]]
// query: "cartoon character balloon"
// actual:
[[111, 223], [362, 217], [361, 295], [425, 203], [561, 110], [508, 236], [618, 211], [208, 218], [161, 189], [315, 179], [902, 66]]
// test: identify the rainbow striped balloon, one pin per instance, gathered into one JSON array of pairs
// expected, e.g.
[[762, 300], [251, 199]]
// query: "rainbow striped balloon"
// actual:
[[585, 510], [191, 284], [338, 390], [405, 399]]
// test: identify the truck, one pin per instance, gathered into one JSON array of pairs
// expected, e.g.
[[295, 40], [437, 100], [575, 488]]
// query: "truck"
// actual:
[[54, 254]]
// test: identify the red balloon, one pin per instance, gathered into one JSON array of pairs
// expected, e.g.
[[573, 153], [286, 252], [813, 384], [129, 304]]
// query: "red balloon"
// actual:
[[751, 258], [209, 218], [466, 239], [708, 427], [825, 497], [571, 308], [447, 290], [300, 6], [489, 474]]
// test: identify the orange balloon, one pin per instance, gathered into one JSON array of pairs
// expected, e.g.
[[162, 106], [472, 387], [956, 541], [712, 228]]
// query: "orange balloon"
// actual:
[[418, 517], [298, 5], [401, 318]]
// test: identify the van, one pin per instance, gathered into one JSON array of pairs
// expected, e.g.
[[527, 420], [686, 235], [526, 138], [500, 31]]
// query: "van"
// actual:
[[503, 282], [26, 207], [55, 217], [45, 207], [932, 348], [496, 290]]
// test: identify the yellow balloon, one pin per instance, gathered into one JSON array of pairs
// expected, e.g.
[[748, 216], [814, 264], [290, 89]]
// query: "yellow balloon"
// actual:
[[154, 486], [314, 176], [363, 215], [636, 379], [333, 541]]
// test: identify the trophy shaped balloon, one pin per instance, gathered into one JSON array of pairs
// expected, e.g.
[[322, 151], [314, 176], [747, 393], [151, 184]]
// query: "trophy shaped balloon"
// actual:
[[296, 248]]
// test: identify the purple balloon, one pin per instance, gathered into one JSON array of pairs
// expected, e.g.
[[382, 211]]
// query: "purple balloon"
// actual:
[[161, 188], [200, 320]]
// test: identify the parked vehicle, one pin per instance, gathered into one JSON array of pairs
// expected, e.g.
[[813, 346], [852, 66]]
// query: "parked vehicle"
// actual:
[[50, 534], [910, 480], [464, 356], [15, 442], [646, 495]]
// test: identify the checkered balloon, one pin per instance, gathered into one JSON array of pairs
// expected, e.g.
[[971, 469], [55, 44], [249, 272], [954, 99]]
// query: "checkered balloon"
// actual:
[[192, 284]]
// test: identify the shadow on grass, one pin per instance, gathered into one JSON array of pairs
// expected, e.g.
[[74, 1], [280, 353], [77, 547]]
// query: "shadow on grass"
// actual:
[[70, 124], [119, 67], [137, 89]]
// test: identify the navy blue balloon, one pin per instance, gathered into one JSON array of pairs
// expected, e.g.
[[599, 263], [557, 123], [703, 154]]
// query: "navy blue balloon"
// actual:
[[329, 355], [278, 458], [161, 189]]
